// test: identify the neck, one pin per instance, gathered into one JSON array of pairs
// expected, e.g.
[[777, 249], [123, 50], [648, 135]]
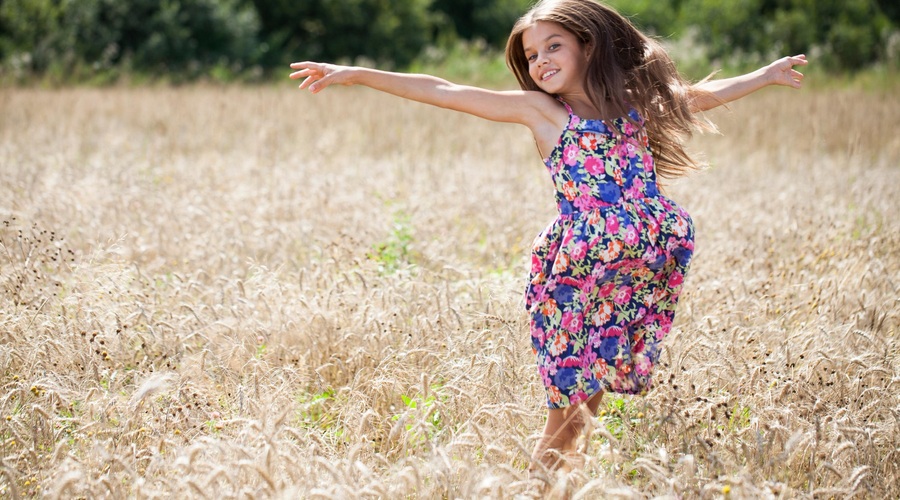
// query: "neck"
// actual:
[[583, 107]]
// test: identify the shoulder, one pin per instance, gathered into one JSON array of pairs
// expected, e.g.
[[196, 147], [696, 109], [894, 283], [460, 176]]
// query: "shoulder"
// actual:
[[548, 113]]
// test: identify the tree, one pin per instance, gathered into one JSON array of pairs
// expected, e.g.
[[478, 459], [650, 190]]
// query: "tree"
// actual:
[[390, 32], [489, 20]]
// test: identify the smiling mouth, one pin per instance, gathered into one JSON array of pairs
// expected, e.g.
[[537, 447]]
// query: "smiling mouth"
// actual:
[[546, 76]]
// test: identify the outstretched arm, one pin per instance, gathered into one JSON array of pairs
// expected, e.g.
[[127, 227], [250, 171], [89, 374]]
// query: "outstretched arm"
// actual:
[[513, 106], [714, 93]]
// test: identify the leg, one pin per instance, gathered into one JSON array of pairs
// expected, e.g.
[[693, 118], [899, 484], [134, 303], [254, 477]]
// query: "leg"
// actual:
[[561, 433]]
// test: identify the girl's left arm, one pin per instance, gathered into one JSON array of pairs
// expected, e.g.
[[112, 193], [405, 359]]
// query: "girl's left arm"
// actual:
[[712, 93]]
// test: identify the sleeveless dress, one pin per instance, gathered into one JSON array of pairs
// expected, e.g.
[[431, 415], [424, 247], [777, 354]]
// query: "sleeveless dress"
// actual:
[[606, 273]]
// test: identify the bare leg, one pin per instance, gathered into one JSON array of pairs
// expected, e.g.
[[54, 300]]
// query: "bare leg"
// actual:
[[561, 433]]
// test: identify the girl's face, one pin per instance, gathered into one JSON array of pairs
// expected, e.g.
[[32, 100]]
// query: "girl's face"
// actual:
[[557, 61]]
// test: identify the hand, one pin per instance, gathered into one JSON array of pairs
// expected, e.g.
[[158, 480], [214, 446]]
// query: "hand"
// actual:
[[319, 75], [782, 72]]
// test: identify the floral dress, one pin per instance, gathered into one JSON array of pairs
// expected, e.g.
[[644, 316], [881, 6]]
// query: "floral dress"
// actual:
[[606, 273]]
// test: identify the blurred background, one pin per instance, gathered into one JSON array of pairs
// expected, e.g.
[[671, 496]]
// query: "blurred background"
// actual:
[[105, 41]]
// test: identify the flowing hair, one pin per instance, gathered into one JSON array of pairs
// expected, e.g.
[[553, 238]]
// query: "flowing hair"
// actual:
[[625, 69]]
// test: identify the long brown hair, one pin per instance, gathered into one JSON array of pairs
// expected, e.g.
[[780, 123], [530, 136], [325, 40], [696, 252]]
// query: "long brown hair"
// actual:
[[625, 68]]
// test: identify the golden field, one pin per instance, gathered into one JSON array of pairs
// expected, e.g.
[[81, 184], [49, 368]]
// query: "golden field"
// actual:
[[223, 292]]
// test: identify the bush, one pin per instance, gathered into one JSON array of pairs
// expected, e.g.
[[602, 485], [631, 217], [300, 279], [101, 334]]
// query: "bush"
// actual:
[[390, 32], [147, 35]]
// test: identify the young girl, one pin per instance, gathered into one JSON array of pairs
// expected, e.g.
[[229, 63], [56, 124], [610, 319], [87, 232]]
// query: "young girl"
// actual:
[[608, 111]]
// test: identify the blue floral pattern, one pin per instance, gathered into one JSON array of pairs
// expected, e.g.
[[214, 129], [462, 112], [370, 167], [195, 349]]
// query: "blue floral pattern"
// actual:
[[607, 272]]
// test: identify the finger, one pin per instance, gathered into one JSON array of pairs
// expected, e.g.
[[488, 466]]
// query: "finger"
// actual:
[[303, 65], [320, 85], [299, 74], [799, 60], [309, 81]]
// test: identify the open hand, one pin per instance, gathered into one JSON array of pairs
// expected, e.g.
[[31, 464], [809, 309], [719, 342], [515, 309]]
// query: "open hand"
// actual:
[[782, 72], [317, 76]]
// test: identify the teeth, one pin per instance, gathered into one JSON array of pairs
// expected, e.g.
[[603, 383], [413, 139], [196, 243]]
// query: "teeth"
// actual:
[[549, 74]]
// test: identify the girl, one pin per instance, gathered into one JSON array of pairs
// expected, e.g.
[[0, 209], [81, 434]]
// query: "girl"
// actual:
[[609, 112]]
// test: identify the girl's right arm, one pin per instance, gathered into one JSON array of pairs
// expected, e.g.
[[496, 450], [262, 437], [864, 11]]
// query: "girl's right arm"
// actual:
[[531, 109]]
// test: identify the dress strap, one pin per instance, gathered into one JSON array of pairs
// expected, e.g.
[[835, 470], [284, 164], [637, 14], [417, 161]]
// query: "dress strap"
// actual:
[[568, 108]]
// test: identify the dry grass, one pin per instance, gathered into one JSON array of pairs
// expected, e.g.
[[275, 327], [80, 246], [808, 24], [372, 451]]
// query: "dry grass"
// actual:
[[230, 292]]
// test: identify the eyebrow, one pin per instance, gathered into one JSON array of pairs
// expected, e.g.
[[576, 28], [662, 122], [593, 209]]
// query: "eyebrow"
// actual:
[[526, 49]]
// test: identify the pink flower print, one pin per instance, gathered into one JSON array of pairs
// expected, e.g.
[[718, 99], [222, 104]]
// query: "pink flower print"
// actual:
[[648, 162], [587, 358], [633, 193], [630, 149], [594, 338], [535, 264], [539, 292], [665, 324], [593, 165], [612, 224], [567, 236], [589, 141], [570, 155], [631, 235], [589, 282], [538, 333], [574, 121], [628, 128], [623, 295], [675, 279], [584, 203], [545, 375], [613, 331], [570, 362], [607, 289], [643, 366], [579, 251], [572, 322], [578, 397]]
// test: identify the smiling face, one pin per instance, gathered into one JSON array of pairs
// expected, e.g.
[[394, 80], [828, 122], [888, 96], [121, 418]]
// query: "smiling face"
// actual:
[[557, 61]]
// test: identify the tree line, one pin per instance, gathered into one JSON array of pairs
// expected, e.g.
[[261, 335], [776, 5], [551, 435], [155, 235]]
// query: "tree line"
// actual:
[[189, 38]]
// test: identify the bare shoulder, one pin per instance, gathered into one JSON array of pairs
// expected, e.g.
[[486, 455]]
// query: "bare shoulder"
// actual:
[[552, 120], [532, 108]]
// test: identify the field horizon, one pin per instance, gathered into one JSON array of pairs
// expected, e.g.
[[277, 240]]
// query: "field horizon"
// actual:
[[214, 291]]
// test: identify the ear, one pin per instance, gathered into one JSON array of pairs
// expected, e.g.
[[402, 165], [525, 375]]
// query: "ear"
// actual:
[[588, 49]]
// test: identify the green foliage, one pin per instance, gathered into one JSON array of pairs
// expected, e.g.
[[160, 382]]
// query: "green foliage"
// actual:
[[389, 32], [421, 410], [845, 34], [97, 40], [471, 20], [395, 251], [183, 36]]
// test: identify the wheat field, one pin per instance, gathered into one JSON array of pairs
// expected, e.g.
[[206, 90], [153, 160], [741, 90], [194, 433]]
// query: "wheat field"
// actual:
[[252, 292]]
